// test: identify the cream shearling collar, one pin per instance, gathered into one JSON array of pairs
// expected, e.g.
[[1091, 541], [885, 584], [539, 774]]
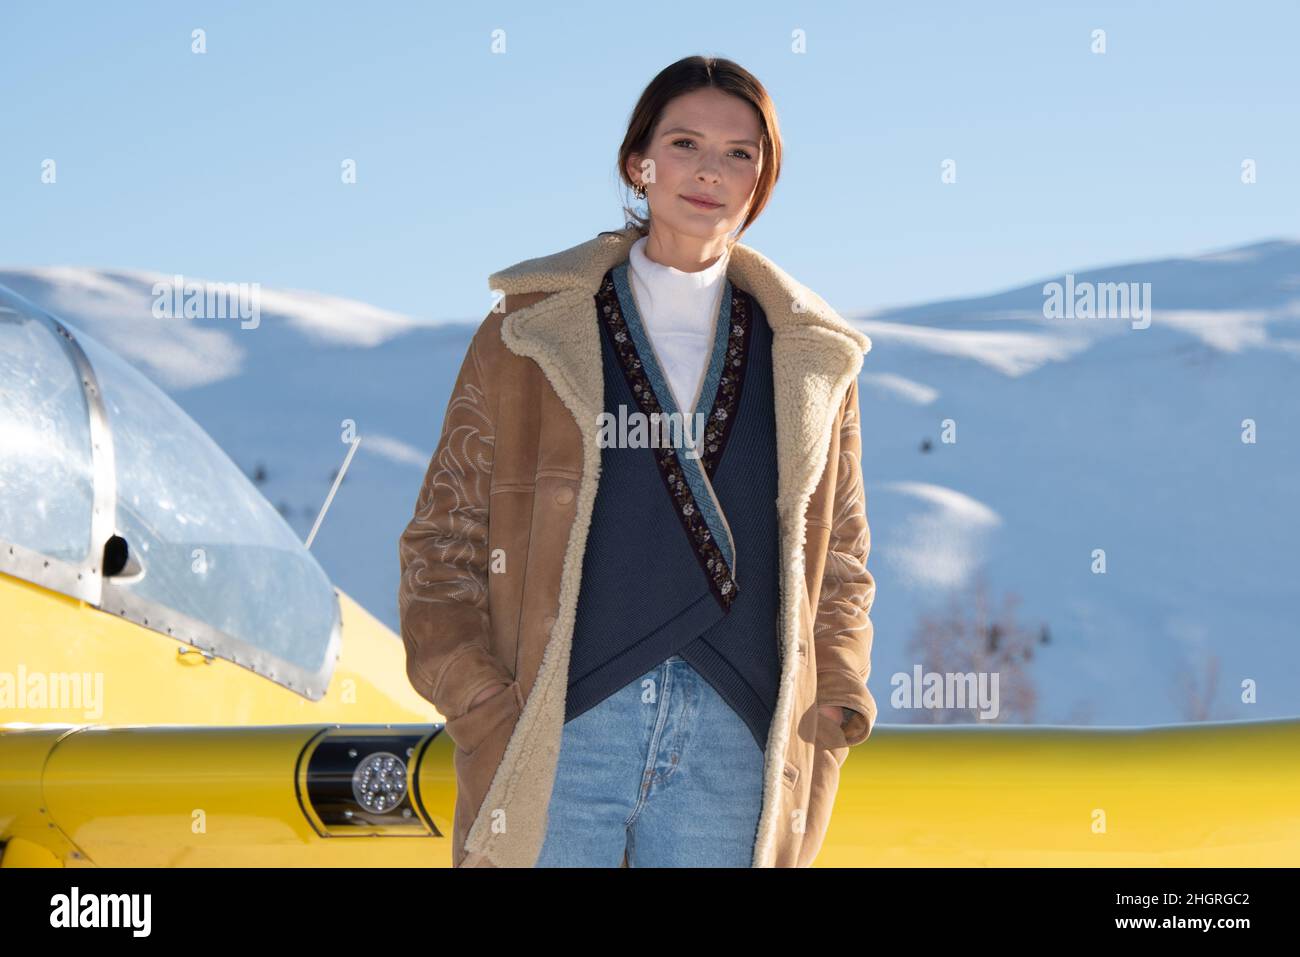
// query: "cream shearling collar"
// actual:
[[815, 352]]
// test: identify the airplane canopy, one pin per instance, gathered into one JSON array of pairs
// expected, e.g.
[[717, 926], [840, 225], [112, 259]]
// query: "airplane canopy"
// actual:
[[91, 449]]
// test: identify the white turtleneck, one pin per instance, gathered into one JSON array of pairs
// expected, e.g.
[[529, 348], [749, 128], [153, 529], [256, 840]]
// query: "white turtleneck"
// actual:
[[679, 311]]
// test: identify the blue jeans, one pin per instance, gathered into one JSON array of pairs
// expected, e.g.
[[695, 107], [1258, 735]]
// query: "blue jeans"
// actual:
[[663, 769]]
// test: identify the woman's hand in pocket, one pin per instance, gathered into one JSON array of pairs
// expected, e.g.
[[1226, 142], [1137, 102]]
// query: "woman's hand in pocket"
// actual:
[[832, 712], [487, 693]]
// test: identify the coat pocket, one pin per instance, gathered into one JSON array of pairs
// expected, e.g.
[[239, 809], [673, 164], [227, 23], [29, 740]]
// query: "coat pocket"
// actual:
[[831, 737], [481, 736], [470, 729], [829, 752]]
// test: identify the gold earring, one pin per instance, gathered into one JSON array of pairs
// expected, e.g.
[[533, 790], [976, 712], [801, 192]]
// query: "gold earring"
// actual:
[[639, 190]]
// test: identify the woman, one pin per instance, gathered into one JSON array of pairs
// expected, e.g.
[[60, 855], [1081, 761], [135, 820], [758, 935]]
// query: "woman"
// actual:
[[619, 629]]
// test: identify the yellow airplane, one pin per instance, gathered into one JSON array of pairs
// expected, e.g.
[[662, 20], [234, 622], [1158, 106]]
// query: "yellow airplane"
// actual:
[[181, 685]]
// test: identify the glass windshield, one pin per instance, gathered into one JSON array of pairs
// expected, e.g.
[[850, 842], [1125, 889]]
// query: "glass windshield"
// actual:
[[46, 485], [212, 547]]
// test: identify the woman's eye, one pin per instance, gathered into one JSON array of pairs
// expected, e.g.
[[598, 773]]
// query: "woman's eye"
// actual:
[[744, 154]]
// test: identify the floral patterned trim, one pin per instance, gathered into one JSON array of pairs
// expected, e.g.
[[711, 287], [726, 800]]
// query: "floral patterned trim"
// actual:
[[727, 371], [732, 377], [696, 478]]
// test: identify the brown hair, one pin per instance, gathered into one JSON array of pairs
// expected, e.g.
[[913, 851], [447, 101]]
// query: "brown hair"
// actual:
[[694, 73]]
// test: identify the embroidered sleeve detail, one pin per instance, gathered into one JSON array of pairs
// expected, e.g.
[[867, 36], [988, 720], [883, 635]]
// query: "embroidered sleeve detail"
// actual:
[[446, 543], [443, 555]]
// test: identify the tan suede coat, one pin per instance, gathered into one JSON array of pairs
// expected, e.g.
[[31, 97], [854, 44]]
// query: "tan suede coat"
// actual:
[[491, 561]]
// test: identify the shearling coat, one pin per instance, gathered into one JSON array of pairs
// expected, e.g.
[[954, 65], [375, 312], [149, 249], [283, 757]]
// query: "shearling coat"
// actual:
[[491, 561]]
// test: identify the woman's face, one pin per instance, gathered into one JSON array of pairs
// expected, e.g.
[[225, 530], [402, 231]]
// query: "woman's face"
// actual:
[[704, 145]]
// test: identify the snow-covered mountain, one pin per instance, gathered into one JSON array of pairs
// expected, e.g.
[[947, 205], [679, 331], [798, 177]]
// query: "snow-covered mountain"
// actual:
[[1072, 435]]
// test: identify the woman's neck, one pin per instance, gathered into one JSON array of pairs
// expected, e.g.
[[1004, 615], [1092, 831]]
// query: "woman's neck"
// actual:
[[685, 253]]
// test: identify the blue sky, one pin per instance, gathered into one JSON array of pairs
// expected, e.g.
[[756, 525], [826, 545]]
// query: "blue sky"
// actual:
[[227, 165]]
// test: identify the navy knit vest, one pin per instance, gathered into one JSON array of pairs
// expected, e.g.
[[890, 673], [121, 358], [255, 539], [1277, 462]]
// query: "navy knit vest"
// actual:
[[683, 554]]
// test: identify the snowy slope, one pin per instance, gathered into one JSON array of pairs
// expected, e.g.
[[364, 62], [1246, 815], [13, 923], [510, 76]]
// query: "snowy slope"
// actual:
[[1072, 435]]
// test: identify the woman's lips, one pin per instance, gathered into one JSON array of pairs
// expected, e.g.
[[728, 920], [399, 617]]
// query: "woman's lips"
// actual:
[[700, 204]]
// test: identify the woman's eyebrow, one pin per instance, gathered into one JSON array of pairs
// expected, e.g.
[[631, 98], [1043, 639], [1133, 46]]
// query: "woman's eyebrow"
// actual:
[[682, 129]]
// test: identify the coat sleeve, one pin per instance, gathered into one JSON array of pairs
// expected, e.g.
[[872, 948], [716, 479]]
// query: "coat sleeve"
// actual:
[[443, 554], [843, 630]]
